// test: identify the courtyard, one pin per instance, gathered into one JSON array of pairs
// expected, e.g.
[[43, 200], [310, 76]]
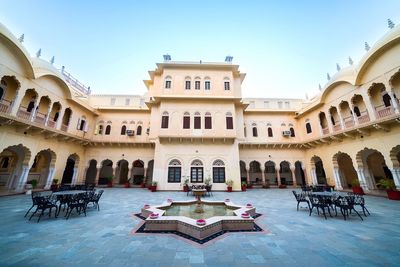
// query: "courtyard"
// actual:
[[291, 238]]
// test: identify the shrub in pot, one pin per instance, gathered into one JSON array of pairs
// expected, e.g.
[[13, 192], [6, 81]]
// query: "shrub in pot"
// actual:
[[153, 187], [127, 183], [54, 185], [110, 181], [186, 185], [229, 184], [244, 186], [33, 182], [390, 187], [355, 186]]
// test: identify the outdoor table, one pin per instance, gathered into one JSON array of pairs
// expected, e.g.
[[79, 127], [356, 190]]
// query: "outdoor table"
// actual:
[[69, 192]]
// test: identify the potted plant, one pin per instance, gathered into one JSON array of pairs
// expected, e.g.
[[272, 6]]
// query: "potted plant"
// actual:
[[390, 187], [229, 184], [110, 181], [127, 183], [143, 184], [153, 187], [266, 184], [186, 185], [249, 185], [355, 186], [244, 186], [54, 185], [33, 182]]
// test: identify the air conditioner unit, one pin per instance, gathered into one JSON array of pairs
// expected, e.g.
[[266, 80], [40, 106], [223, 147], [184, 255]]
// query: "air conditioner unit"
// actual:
[[286, 133], [130, 132]]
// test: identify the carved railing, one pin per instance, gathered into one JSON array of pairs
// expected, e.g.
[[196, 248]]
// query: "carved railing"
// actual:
[[383, 111], [23, 114], [5, 106], [325, 130], [364, 117], [64, 127], [348, 122], [40, 118], [337, 127], [51, 123]]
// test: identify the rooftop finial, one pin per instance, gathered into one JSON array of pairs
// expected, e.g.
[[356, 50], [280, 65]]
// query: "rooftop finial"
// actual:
[[337, 67], [320, 87], [39, 53], [21, 38], [228, 59], [52, 60], [390, 24], [351, 61], [328, 76], [167, 57], [367, 47], [306, 96]]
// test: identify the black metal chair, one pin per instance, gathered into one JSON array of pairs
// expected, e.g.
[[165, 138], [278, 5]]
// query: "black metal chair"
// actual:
[[359, 201], [301, 198], [45, 194], [320, 202], [77, 202], [190, 187], [346, 205], [209, 190], [95, 199], [44, 203]]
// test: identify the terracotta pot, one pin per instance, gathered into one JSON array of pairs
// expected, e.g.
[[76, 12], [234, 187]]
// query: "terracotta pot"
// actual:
[[393, 194], [244, 188], [109, 184], [358, 190], [143, 185], [229, 188], [127, 185], [54, 187], [185, 188], [153, 188], [282, 186]]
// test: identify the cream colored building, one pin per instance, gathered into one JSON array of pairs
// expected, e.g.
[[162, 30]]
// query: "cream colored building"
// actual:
[[193, 123]]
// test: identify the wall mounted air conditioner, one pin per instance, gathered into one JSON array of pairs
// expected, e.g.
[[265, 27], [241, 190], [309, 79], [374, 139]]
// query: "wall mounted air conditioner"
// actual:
[[130, 132], [286, 133]]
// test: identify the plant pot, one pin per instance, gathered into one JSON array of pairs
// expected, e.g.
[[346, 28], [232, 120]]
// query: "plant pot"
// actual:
[[185, 188], [143, 185], [244, 188], [358, 190], [229, 188], [109, 184], [54, 187], [282, 186], [153, 188], [393, 194], [127, 185]]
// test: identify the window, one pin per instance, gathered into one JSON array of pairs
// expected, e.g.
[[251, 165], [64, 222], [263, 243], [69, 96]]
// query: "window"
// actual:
[[229, 121], [332, 120], [5, 162], [292, 132], [123, 130], [280, 104], [270, 133], [357, 111], [255, 133], [218, 171], [197, 85], [186, 120], [139, 130], [386, 100], [108, 130], [31, 105], [82, 125], [196, 172], [207, 121], [197, 120], [207, 85], [287, 104], [112, 101], [187, 85], [127, 101], [168, 82], [227, 86], [174, 171], [100, 129], [266, 104], [56, 116], [164, 120], [308, 127]]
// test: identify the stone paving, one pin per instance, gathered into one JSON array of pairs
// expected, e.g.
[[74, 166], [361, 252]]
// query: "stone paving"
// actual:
[[293, 238]]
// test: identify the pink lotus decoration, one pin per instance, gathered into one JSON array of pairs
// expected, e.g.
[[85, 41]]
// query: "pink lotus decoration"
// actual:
[[245, 215], [249, 205], [154, 216], [146, 206], [169, 200], [201, 222], [227, 200]]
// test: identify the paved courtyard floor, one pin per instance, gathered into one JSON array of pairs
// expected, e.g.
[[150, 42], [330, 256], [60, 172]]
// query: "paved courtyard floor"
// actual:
[[293, 238]]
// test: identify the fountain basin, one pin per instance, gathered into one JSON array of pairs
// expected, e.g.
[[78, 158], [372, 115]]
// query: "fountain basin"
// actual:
[[232, 221]]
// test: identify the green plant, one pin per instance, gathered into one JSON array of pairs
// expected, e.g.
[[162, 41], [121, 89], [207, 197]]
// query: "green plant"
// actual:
[[154, 183], [110, 178], [55, 181], [186, 182], [355, 182], [34, 183], [386, 183], [207, 181], [229, 183], [244, 184]]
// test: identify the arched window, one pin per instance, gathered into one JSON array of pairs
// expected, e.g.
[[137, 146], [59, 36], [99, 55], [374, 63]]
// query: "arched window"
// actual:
[[292, 132], [4, 162], [186, 120], [227, 85], [188, 83], [357, 111], [386, 100], [123, 130], [108, 130], [207, 121], [139, 130], [196, 171], [254, 127], [100, 129], [197, 83], [197, 120], [168, 82], [229, 121], [207, 83], [218, 171], [333, 120], [31, 105], [174, 171], [164, 120], [270, 133], [308, 126], [82, 124]]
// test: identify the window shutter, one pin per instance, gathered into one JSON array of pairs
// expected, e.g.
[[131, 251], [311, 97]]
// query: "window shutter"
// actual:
[[197, 122], [79, 123]]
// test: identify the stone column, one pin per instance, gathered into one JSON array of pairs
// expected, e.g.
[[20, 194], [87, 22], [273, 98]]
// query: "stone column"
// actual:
[[370, 107], [16, 103], [145, 173], [278, 176], [35, 109], [22, 179], [341, 121], [396, 177], [130, 173], [60, 119], [338, 182], [75, 176], [49, 179], [47, 115], [114, 172], [355, 119], [361, 179], [263, 175], [98, 169], [305, 175], [314, 176], [293, 170], [248, 176], [394, 101]]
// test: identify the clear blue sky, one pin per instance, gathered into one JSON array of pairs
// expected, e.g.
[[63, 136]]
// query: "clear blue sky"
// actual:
[[285, 47]]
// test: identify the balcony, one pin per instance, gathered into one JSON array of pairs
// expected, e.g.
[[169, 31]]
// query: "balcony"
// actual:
[[40, 118], [325, 130], [363, 118], [337, 127], [382, 111], [51, 123], [348, 122], [64, 127], [23, 114], [5, 106]]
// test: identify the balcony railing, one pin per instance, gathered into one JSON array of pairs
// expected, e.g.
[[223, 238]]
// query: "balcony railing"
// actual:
[[383, 111], [23, 114], [348, 122], [64, 127], [364, 117], [337, 127], [40, 118], [51, 123], [325, 130], [5, 106]]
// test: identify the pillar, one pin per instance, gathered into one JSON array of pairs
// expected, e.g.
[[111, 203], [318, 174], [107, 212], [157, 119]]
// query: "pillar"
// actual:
[[305, 175], [361, 178], [394, 101], [98, 169], [336, 175], [16, 102], [263, 175], [74, 176], [248, 176], [60, 119], [144, 174], [355, 119], [314, 176], [47, 114], [23, 179], [396, 177], [278, 176], [293, 170], [50, 176]]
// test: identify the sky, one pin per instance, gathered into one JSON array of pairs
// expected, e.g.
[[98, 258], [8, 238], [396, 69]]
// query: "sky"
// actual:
[[285, 47]]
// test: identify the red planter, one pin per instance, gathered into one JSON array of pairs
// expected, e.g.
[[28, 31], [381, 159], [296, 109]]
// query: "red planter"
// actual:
[[358, 190], [185, 188], [153, 188], [127, 185], [54, 187], [282, 186], [244, 188], [109, 184], [393, 194], [229, 188], [143, 185]]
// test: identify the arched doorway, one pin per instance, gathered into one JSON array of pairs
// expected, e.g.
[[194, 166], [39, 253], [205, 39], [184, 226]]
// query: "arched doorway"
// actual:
[[317, 171], [14, 168], [138, 172], [285, 173], [243, 171], [106, 172], [91, 173], [70, 170], [9, 87], [395, 157], [42, 169], [299, 173], [345, 170], [28, 103], [255, 173], [121, 173], [270, 173]]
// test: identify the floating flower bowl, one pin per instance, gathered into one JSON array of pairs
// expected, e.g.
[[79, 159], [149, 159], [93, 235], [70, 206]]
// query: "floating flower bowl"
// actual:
[[146, 206], [227, 200], [245, 215], [154, 216], [249, 205], [201, 222]]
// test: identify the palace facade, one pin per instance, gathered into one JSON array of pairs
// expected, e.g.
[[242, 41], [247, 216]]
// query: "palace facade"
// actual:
[[193, 123]]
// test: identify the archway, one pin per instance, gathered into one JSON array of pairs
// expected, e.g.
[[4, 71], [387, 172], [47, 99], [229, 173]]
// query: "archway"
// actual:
[[91, 173], [27, 106], [285, 173], [346, 172], [243, 171], [42, 169], [121, 173], [318, 171], [270, 173], [395, 156], [9, 87], [255, 173], [42, 110], [70, 170], [106, 172], [299, 173], [138, 172], [14, 168]]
